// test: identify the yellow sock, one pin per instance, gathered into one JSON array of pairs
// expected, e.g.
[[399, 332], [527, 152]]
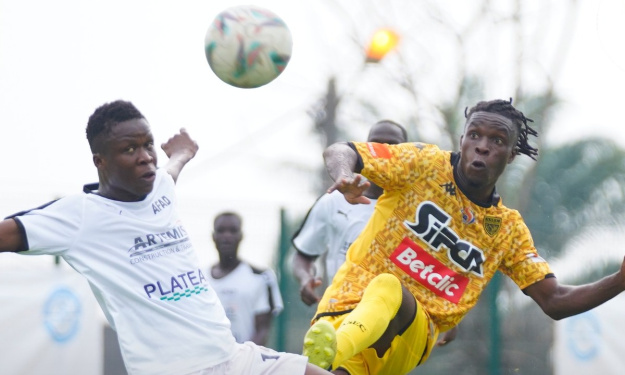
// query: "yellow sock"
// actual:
[[366, 324]]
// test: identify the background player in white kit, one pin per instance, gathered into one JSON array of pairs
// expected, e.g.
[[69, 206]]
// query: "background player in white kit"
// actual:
[[126, 238], [250, 296], [332, 224]]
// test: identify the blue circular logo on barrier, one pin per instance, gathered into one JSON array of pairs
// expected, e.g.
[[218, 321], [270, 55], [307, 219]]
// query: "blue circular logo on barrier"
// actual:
[[583, 335], [61, 314]]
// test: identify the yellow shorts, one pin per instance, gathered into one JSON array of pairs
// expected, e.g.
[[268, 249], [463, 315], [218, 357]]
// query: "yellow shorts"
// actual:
[[407, 350]]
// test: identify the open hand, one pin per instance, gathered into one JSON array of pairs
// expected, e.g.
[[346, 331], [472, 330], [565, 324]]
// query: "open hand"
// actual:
[[352, 189], [180, 145], [447, 337], [307, 291]]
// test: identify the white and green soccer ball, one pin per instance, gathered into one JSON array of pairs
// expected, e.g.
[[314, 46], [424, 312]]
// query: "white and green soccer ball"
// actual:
[[248, 46]]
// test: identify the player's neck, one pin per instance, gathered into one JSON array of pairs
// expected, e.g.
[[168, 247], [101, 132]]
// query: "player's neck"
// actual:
[[227, 265], [480, 194]]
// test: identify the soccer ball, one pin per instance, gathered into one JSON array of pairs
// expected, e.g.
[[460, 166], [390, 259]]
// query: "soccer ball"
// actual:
[[247, 46]]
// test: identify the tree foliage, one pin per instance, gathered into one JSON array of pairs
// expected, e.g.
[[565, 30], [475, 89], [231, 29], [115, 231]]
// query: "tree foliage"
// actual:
[[574, 187]]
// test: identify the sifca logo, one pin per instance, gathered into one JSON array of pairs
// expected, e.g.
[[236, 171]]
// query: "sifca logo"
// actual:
[[429, 271], [432, 227]]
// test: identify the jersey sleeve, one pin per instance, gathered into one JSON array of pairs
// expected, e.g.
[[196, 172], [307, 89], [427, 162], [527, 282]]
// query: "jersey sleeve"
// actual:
[[312, 237], [393, 167], [51, 230], [523, 264], [275, 297], [261, 303]]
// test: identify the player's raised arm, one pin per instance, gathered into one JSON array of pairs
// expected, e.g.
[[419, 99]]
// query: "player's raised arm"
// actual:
[[340, 160], [10, 236], [561, 301], [179, 149]]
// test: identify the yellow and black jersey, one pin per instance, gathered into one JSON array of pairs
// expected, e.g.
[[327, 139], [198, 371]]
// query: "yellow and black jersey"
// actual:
[[424, 230]]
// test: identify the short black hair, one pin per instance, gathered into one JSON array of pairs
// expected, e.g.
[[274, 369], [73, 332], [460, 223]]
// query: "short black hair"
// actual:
[[404, 133], [505, 108], [108, 115], [228, 213]]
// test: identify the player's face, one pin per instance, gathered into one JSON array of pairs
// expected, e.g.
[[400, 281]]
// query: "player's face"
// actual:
[[227, 235], [386, 133], [127, 167], [487, 147]]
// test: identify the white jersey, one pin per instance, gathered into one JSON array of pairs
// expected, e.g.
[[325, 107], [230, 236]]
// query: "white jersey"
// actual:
[[277, 305], [330, 227], [244, 293], [145, 274]]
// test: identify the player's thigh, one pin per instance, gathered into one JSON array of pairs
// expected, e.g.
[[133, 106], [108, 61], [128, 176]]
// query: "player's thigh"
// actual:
[[252, 359], [258, 360], [412, 347], [407, 350]]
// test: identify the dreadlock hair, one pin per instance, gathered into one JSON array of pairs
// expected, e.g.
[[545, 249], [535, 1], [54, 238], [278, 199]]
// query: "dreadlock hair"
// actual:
[[106, 116], [505, 108]]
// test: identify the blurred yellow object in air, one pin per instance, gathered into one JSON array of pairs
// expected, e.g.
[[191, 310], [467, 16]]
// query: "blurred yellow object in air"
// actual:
[[383, 41]]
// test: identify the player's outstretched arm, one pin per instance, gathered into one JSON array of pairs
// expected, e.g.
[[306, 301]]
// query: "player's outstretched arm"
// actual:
[[561, 301], [179, 149], [304, 271], [10, 237], [340, 160]]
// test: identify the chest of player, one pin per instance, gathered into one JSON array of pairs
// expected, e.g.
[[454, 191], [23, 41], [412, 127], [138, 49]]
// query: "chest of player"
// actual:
[[240, 291], [442, 240]]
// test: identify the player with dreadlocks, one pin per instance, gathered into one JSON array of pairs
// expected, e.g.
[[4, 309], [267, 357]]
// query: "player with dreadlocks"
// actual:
[[518, 118], [438, 235]]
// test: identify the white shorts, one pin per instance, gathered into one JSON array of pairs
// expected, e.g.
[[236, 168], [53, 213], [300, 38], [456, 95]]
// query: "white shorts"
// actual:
[[252, 359]]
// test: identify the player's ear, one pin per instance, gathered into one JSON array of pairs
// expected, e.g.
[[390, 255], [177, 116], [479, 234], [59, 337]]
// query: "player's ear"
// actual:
[[97, 160], [513, 154]]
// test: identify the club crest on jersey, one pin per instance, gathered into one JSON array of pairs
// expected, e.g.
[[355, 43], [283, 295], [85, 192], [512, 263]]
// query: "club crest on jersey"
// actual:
[[492, 224], [468, 217], [432, 227]]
